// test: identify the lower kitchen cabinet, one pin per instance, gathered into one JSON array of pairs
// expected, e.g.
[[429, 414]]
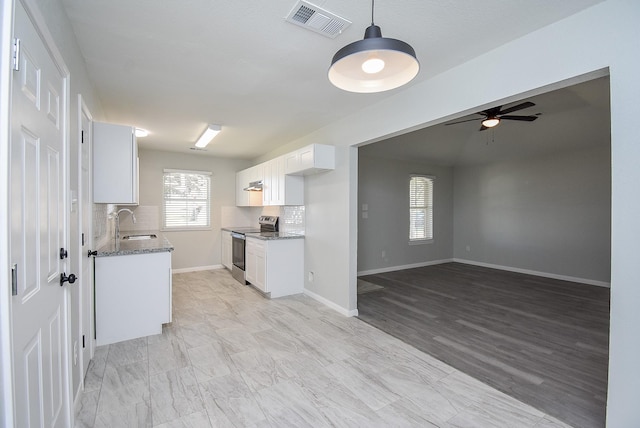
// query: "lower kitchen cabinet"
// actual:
[[275, 266], [132, 296], [226, 249]]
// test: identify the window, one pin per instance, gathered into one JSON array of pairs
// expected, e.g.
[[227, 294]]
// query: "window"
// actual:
[[186, 199], [420, 208]]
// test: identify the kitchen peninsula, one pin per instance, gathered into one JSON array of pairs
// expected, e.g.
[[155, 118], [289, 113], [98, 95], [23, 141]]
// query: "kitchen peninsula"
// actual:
[[132, 287]]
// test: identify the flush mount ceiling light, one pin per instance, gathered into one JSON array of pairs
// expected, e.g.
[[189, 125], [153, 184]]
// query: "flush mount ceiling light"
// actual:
[[374, 64], [141, 133], [490, 122], [207, 135]]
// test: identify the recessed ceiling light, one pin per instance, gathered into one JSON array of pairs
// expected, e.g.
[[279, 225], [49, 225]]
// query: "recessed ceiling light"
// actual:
[[141, 133]]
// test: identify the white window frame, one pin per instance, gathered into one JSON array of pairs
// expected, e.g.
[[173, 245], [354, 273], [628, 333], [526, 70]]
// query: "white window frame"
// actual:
[[207, 201], [427, 209]]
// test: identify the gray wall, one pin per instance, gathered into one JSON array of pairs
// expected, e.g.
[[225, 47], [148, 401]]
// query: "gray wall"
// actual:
[[201, 248], [550, 214], [384, 187]]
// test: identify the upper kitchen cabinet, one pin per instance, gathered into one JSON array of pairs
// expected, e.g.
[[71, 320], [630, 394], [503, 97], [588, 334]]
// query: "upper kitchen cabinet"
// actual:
[[115, 164], [247, 198], [310, 160], [281, 189]]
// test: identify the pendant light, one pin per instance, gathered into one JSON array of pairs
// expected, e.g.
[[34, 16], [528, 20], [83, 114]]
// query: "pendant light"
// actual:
[[374, 64]]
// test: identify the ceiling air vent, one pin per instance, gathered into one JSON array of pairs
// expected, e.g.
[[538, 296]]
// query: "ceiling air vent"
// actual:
[[316, 19]]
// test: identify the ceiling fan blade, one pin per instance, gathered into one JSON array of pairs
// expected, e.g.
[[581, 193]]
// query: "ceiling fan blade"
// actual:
[[523, 118], [518, 107], [462, 121]]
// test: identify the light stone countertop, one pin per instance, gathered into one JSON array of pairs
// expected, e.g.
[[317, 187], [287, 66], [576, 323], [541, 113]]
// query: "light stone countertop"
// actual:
[[127, 247], [266, 236], [270, 236]]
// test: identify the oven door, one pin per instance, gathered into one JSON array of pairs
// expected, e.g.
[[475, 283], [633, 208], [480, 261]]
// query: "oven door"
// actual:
[[238, 256]]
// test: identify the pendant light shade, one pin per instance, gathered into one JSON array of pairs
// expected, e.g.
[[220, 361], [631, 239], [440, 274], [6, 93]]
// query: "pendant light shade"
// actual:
[[374, 64]]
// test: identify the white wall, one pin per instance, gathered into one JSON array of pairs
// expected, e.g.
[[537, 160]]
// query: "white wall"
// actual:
[[330, 241], [383, 184], [549, 214], [194, 249], [604, 36]]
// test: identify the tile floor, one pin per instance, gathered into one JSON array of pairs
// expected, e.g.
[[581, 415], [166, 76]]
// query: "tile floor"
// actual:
[[232, 358]]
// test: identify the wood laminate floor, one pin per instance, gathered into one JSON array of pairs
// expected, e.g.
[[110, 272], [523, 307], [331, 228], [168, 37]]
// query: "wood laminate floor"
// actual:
[[540, 340]]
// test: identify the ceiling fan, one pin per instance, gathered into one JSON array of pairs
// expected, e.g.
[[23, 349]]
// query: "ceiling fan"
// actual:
[[493, 116]]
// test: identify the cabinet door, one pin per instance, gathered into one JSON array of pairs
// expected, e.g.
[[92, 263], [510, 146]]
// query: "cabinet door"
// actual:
[[226, 249], [261, 269], [134, 304], [250, 261], [292, 162], [306, 157], [115, 164]]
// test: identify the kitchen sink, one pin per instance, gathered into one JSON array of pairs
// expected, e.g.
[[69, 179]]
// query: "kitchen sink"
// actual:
[[140, 237]]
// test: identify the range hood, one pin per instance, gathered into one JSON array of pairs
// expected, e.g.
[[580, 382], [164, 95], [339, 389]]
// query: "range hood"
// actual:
[[254, 186]]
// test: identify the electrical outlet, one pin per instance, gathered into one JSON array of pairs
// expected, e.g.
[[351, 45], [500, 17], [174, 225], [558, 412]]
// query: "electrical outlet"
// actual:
[[468, 247], [384, 254], [310, 276]]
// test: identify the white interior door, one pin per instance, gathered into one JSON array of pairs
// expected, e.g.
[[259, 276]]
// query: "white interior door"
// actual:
[[86, 277], [38, 231]]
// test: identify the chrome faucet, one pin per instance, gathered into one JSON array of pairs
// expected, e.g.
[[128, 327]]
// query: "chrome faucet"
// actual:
[[116, 216]]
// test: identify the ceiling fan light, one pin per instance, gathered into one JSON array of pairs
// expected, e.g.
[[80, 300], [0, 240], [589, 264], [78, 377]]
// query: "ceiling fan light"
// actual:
[[490, 122], [350, 68]]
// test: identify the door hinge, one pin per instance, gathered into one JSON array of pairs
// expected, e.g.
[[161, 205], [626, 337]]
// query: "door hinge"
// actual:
[[16, 54], [83, 345], [14, 279], [83, 239], [82, 136]]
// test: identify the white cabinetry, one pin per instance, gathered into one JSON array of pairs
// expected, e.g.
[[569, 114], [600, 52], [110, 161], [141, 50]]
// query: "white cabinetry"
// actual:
[[275, 266], [246, 198], [133, 296], [278, 188], [115, 164], [283, 177], [255, 264], [226, 249], [310, 160]]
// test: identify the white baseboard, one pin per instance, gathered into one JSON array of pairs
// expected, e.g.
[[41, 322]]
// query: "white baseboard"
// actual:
[[197, 268], [536, 273], [329, 303], [403, 267]]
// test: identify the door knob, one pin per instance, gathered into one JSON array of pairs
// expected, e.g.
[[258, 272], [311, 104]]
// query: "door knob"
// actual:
[[63, 254], [92, 253], [64, 278]]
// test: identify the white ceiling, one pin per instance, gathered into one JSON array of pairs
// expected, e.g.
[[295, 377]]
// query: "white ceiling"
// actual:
[[172, 66]]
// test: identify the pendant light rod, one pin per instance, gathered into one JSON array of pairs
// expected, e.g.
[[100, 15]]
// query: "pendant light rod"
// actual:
[[372, 12]]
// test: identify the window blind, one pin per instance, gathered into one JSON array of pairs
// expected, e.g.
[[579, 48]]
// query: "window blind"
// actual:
[[420, 208], [186, 199]]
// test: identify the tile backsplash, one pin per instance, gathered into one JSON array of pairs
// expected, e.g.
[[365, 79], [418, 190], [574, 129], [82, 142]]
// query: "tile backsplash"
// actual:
[[147, 218], [292, 219]]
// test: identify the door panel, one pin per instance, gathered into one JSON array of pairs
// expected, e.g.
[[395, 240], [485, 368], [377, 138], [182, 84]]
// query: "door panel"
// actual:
[[86, 278], [38, 231]]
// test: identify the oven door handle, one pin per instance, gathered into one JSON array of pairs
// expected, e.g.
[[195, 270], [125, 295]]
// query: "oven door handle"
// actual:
[[237, 236]]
